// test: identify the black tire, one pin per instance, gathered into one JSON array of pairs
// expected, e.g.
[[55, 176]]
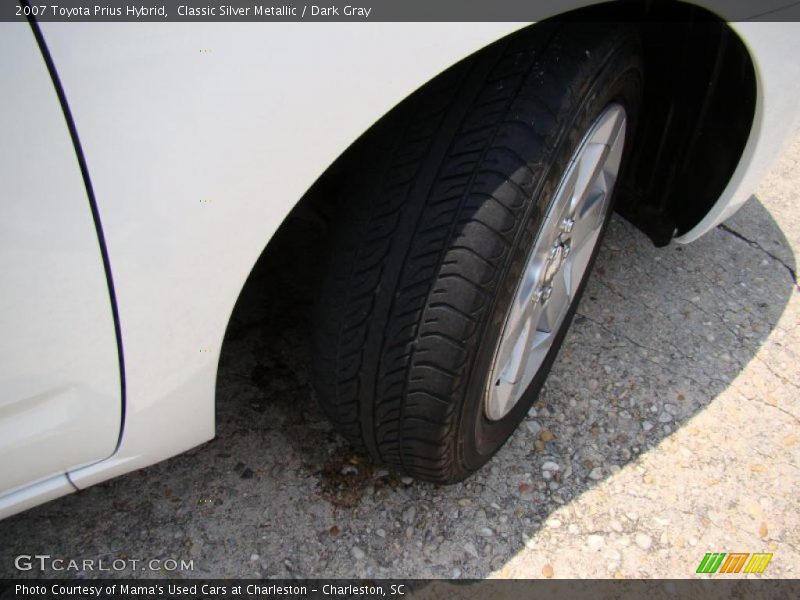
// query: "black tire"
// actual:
[[433, 235]]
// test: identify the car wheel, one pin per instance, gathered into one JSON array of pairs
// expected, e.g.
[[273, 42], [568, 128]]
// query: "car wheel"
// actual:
[[464, 244]]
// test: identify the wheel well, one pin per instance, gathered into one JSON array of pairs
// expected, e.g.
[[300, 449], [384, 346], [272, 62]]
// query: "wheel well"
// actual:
[[698, 108]]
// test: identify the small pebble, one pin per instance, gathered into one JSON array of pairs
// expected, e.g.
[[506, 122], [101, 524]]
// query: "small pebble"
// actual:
[[470, 549], [664, 417], [595, 541], [763, 530]]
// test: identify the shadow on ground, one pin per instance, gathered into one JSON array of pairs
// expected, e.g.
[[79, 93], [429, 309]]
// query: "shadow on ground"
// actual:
[[659, 334]]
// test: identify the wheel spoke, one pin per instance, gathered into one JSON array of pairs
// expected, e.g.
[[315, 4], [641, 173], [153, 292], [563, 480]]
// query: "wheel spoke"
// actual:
[[523, 363], [588, 221], [511, 354], [566, 192], [616, 144], [611, 131], [578, 260], [590, 169], [511, 361], [556, 306], [541, 342]]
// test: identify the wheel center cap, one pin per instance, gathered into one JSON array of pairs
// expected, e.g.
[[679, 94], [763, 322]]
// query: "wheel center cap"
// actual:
[[558, 254]]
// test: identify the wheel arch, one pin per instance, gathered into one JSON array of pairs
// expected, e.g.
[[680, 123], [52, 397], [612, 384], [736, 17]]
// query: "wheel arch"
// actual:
[[697, 153], [685, 131]]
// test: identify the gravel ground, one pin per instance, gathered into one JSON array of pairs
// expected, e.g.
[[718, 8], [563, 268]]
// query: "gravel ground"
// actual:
[[668, 428]]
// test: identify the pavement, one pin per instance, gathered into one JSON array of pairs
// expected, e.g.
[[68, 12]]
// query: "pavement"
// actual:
[[667, 429]]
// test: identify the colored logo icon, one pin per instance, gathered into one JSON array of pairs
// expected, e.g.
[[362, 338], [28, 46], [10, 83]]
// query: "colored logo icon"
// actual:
[[735, 562]]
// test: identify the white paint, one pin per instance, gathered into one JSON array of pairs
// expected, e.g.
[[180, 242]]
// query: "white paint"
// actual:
[[33, 495], [60, 404]]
